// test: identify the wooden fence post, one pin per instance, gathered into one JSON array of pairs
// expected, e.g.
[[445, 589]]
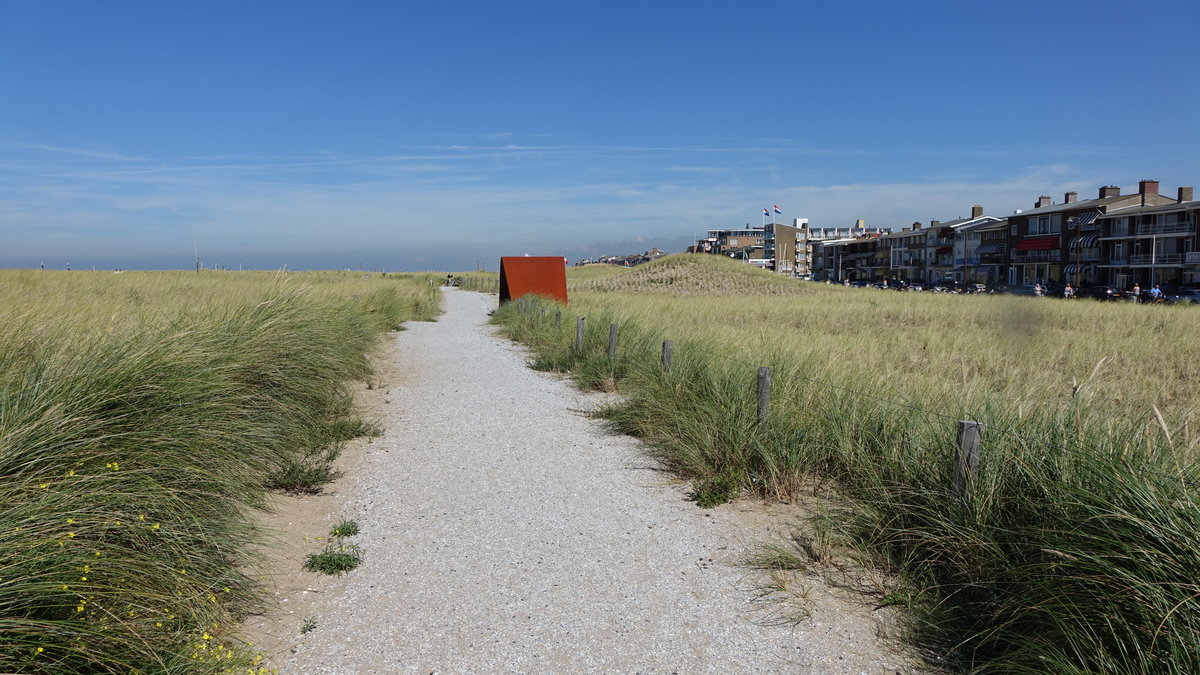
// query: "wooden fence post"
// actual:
[[666, 357], [764, 396], [966, 459], [579, 333], [557, 319], [612, 341]]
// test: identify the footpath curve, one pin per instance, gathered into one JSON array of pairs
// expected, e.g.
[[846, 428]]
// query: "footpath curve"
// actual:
[[504, 531]]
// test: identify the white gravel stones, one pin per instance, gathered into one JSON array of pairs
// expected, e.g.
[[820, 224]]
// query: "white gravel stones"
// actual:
[[503, 531]]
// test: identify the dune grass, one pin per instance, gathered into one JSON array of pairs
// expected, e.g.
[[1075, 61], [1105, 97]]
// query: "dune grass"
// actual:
[[141, 416], [1077, 548], [595, 271]]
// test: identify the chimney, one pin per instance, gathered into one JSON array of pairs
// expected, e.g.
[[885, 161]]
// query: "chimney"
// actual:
[[976, 211], [1070, 197], [1110, 191], [916, 226], [1147, 187], [1042, 201], [934, 223], [1185, 194]]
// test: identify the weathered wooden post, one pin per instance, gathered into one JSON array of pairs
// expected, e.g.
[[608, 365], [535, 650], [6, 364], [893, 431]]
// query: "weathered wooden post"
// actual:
[[666, 357], [966, 459], [612, 341], [579, 333], [764, 396], [557, 319]]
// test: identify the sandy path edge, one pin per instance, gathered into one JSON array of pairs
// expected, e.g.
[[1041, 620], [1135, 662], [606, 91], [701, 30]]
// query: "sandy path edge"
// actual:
[[505, 532]]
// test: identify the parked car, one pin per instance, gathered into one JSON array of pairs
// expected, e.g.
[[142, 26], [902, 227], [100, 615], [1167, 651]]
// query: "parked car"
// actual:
[[1101, 293], [1187, 296]]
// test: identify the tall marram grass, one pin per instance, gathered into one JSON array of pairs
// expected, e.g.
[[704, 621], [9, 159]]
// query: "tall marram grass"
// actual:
[[1078, 549], [141, 416]]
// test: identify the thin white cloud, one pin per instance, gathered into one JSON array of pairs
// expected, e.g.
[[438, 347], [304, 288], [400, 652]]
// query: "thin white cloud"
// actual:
[[474, 199], [81, 152]]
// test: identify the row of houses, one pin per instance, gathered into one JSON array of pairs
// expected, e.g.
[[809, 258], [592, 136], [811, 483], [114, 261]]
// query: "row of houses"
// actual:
[[1114, 239], [623, 260]]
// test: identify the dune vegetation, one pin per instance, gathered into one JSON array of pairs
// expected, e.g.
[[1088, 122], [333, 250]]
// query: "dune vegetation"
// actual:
[[1075, 546], [143, 415]]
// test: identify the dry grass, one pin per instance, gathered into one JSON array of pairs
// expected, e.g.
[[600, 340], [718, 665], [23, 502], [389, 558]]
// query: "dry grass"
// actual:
[[937, 350]]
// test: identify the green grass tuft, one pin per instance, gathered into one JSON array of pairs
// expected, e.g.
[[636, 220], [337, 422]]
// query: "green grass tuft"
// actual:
[[334, 559]]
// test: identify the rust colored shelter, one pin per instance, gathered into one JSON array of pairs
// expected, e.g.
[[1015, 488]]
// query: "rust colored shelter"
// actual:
[[545, 276]]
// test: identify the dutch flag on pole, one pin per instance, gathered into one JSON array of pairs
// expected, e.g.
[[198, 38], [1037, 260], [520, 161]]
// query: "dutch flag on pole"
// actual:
[[777, 208], [766, 212]]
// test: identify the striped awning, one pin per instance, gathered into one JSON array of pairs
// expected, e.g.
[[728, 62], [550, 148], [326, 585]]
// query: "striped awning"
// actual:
[[990, 249], [1085, 219], [1073, 268], [1084, 241]]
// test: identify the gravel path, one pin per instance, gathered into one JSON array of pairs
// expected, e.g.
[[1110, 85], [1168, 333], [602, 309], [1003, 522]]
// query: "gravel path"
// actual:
[[503, 531]]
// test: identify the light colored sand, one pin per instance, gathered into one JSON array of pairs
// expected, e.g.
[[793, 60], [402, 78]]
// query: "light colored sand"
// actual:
[[504, 531]]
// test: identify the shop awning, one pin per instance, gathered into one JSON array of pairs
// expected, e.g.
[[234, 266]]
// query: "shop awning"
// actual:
[[1038, 244]]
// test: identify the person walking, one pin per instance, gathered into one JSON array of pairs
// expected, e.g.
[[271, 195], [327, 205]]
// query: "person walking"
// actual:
[[1136, 295]]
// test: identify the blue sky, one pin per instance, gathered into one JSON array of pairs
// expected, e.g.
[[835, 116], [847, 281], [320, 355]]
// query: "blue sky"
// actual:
[[435, 135]]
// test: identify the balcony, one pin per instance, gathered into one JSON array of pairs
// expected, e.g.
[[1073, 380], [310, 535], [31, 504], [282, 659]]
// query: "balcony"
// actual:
[[1037, 257], [1164, 228], [1088, 255], [1160, 259]]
